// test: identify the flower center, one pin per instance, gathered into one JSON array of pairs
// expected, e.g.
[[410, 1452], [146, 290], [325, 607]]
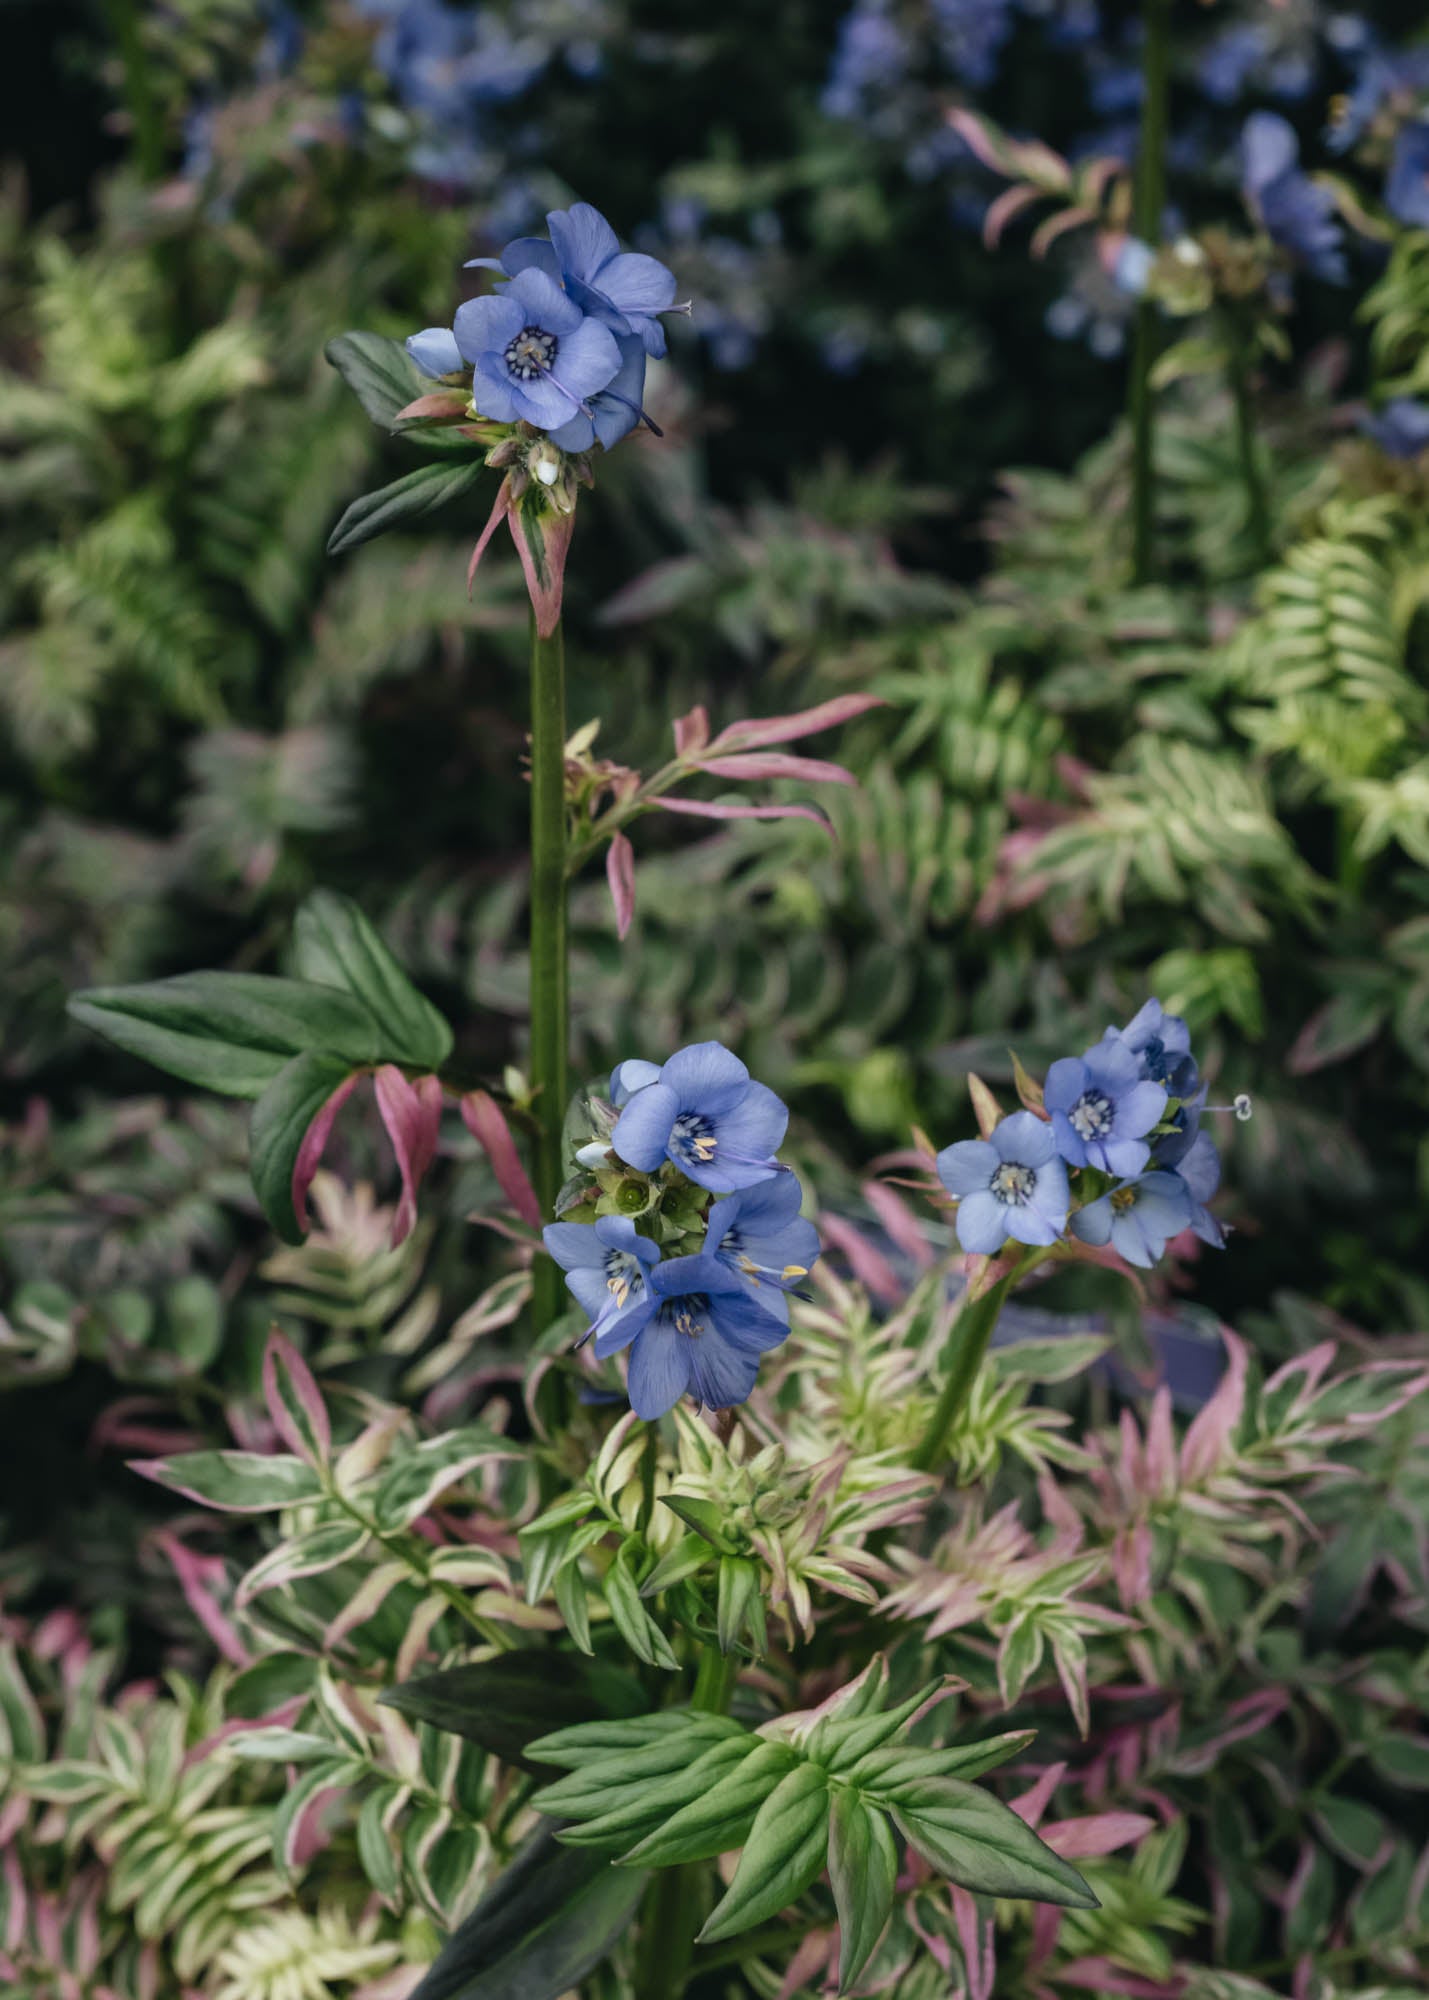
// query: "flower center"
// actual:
[[531, 353], [1092, 1114], [686, 1315], [622, 1275], [1123, 1198], [693, 1138], [1013, 1184]]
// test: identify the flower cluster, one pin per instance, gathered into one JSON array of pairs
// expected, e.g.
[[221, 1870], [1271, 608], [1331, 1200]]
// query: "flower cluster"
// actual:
[[689, 1149], [1125, 1118], [562, 342]]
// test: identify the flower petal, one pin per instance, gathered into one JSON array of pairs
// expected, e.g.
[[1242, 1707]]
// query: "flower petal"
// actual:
[[1025, 1138], [529, 253], [435, 351], [744, 1322], [541, 302], [967, 1167], [587, 360], [491, 397], [1092, 1224], [707, 1077], [982, 1223], [487, 325], [1123, 1157], [1066, 1080], [583, 240], [637, 284], [574, 1245], [659, 1370], [629, 1076], [719, 1373], [1070, 1143], [642, 1131], [626, 1326], [1140, 1109]]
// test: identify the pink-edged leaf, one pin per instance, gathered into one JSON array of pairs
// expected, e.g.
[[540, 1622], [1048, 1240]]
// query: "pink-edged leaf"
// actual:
[[365, 1601], [235, 1482], [412, 1113], [543, 542], [198, 1575], [1209, 1438], [871, 1268], [414, 1644], [121, 1428], [900, 1222], [294, 1401], [984, 144], [1159, 1463], [439, 403], [975, 1937], [17, 1898], [778, 764], [1099, 1975], [692, 731], [312, 1553], [1003, 208], [702, 809], [759, 731], [498, 513], [1098, 1834], [314, 1140], [1046, 233], [1131, 1555], [620, 874], [485, 1121]]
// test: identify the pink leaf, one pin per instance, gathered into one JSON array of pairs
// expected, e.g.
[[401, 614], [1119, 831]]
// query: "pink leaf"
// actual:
[[498, 513], [620, 874], [197, 1575], [692, 731], [759, 731], [294, 1401], [900, 1222], [703, 809], [1046, 233], [1003, 208], [1100, 1833], [778, 764], [311, 1151], [1209, 1438], [1030, 1806], [975, 1937], [871, 1268], [483, 1118], [412, 1113], [439, 403], [978, 139], [1160, 1459], [1099, 1975], [543, 542]]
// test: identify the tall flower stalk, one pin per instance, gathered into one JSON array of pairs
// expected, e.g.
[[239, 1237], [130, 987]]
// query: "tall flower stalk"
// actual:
[[1149, 199], [550, 972]]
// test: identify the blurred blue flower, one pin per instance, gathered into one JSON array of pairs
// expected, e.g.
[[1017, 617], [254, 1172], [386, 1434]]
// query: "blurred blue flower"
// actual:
[[1230, 59], [1401, 428], [1011, 1184], [971, 34], [1138, 1219], [697, 1331], [760, 1235], [1382, 75], [1102, 1107], [620, 289], [535, 356], [1162, 1041], [706, 1115], [872, 53], [605, 1263], [1296, 213], [1406, 192], [1132, 266]]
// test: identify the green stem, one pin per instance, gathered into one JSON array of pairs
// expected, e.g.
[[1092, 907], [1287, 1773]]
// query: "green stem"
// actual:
[[145, 116], [1148, 201], [1257, 510], [550, 989], [671, 1913], [967, 1345]]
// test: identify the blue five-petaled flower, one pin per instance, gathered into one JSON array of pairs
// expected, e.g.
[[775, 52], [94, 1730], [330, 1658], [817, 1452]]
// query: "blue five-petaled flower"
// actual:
[[702, 1112], [1011, 1184], [760, 1235], [1102, 1107], [1138, 1219], [697, 1331], [606, 1265]]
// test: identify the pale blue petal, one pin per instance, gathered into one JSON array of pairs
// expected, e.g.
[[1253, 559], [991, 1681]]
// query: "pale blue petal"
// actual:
[[435, 351], [659, 1370], [982, 1223], [574, 1245], [1140, 1109], [642, 1131], [1123, 1157], [1025, 1138], [487, 325], [720, 1375], [629, 1076], [583, 240], [707, 1077], [1066, 1080], [637, 284], [1092, 1224], [544, 303], [491, 390], [967, 1167], [1070, 1143], [587, 360]]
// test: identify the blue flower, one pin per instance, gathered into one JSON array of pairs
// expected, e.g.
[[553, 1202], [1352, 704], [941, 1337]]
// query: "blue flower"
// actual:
[[1138, 1219], [605, 1264], [1012, 1184], [1162, 1042], [703, 1113], [1401, 428], [629, 1076], [759, 1234], [1296, 213], [614, 410], [872, 54], [1383, 76], [698, 1331], [1102, 1107], [1406, 192], [622, 290], [535, 355], [971, 34], [435, 351], [1200, 1174]]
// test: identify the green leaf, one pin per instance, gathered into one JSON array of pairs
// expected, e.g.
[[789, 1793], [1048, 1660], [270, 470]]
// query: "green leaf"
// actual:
[[276, 1131], [1402, 1760], [718, 1820], [704, 1517], [379, 371], [538, 1931], [981, 1844], [238, 1482], [640, 1737], [863, 1866], [633, 1622], [411, 498], [784, 1853], [892, 1765], [411, 1483], [740, 1604], [571, 1601], [287, 1746], [335, 945], [1354, 1830], [506, 1704], [374, 1848], [617, 1810], [268, 1683], [229, 1031]]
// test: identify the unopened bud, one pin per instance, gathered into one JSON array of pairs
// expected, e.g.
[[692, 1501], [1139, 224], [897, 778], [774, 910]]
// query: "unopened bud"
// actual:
[[545, 464], [1242, 1106]]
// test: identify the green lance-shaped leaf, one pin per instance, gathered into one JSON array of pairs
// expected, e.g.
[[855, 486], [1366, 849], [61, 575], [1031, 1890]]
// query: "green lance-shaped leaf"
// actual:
[[230, 1031], [863, 1866], [739, 1605], [639, 1741], [335, 945], [720, 1819], [411, 498], [276, 1131], [785, 1851], [380, 373], [412, 1482], [538, 1931], [630, 1618], [505, 1704], [238, 1482], [617, 1812], [891, 1766], [981, 1844]]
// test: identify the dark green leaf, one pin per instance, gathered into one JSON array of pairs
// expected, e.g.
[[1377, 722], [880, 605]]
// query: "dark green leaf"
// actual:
[[704, 1517], [720, 1818], [553, 1915], [230, 1031], [505, 1704], [268, 1683], [617, 1810], [645, 1737], [863, 1866], [981, 1844], [335, 945], [785, 1851], [1402, 1759], [411, 498], [380, 372], [276, 1131]]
